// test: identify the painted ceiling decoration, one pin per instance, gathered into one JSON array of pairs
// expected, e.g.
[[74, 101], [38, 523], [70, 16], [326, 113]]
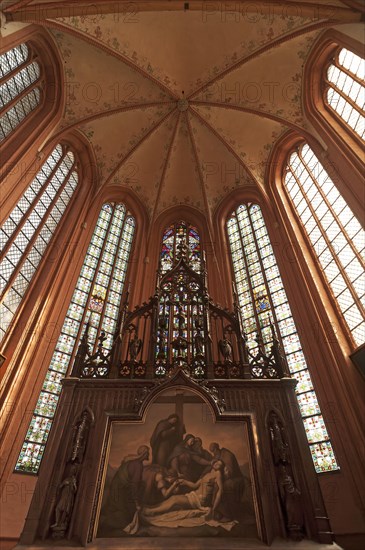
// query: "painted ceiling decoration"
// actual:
[[182, 102]]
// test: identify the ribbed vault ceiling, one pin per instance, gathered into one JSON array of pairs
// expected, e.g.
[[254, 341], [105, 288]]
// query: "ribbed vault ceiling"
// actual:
[[182, 106]]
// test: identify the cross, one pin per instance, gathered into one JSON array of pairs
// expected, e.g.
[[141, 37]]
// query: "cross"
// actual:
[[179, 400]]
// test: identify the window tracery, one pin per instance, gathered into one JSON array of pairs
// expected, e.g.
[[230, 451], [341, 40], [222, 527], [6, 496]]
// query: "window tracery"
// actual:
[[336, 237], [180, 239], [20, 87], [28, 230], [170, 241], [262, 302], [96, 302]]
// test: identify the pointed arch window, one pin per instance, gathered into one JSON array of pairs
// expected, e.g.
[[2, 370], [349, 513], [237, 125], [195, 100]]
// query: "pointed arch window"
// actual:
[[172, 238], [170, 241], [20, 87], [345, 90], [335, 235], [96, 300], [26, 233], [263, 300]]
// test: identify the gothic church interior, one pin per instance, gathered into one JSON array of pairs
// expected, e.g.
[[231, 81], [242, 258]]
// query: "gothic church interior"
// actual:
[[223, 139]]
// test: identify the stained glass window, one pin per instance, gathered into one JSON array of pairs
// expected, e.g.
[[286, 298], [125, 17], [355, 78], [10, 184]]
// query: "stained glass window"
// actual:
[[20, 88], [171, 239], [96, 299], [262, 301], [346, 89], [26, 233], [336, 236]]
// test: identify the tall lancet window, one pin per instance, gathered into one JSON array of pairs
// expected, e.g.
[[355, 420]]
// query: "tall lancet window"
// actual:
[[26, 233], [346, 89], [171, 239], [20, 87], [263, 300], [96, 300], [335, 235], [182, 313]]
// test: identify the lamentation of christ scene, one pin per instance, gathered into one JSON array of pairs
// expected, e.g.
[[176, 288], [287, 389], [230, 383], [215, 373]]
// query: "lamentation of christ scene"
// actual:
[[178, 473]]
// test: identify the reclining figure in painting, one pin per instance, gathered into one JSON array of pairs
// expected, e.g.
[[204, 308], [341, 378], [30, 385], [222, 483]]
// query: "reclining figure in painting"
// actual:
[[193, 509]]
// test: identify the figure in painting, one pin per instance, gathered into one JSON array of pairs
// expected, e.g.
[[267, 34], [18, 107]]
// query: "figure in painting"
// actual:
[[167, 434], [126, 493], [233, 482], [199, 469], [159, 484], [183, 459], [232, 468], [185, 489], [205, 493]]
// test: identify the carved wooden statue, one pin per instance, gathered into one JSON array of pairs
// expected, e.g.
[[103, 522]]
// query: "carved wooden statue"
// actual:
[[291, 500], [280, 448], [65, 502], [81, 431], [290, 496], [135, 346], [225, 347]]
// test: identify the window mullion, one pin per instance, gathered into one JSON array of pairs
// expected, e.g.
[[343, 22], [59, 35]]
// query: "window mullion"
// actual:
[[18, 65], [317, 435], [20, 96], [31, 208], [348, 72], [329, 206], [107, 291], [324, 235], [96, 272], [314, 215], [243, 252], [36, 233], [8, 76], [263, 272], [347, 98]]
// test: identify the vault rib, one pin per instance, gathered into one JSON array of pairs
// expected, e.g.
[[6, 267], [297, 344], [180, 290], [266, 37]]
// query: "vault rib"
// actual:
[[111, 112], [248, 110], [201, 176], [163, 174], [222, 140], [15, 7], [266, 47], [136, 145], [94, 42]]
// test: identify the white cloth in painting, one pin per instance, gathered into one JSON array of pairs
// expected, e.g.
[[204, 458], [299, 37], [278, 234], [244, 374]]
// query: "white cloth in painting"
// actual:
[[179, 518]]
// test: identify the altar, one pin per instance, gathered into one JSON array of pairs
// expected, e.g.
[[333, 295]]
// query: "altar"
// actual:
[[180, 438]]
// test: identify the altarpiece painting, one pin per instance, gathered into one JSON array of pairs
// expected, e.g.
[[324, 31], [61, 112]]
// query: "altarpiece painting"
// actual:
[[178, 473]]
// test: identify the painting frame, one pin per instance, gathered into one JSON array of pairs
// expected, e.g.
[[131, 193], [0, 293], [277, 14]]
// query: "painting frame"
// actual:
[[243, 423]]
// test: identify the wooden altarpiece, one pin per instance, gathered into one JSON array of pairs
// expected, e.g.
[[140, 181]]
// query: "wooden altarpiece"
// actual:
[[178, 356]]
